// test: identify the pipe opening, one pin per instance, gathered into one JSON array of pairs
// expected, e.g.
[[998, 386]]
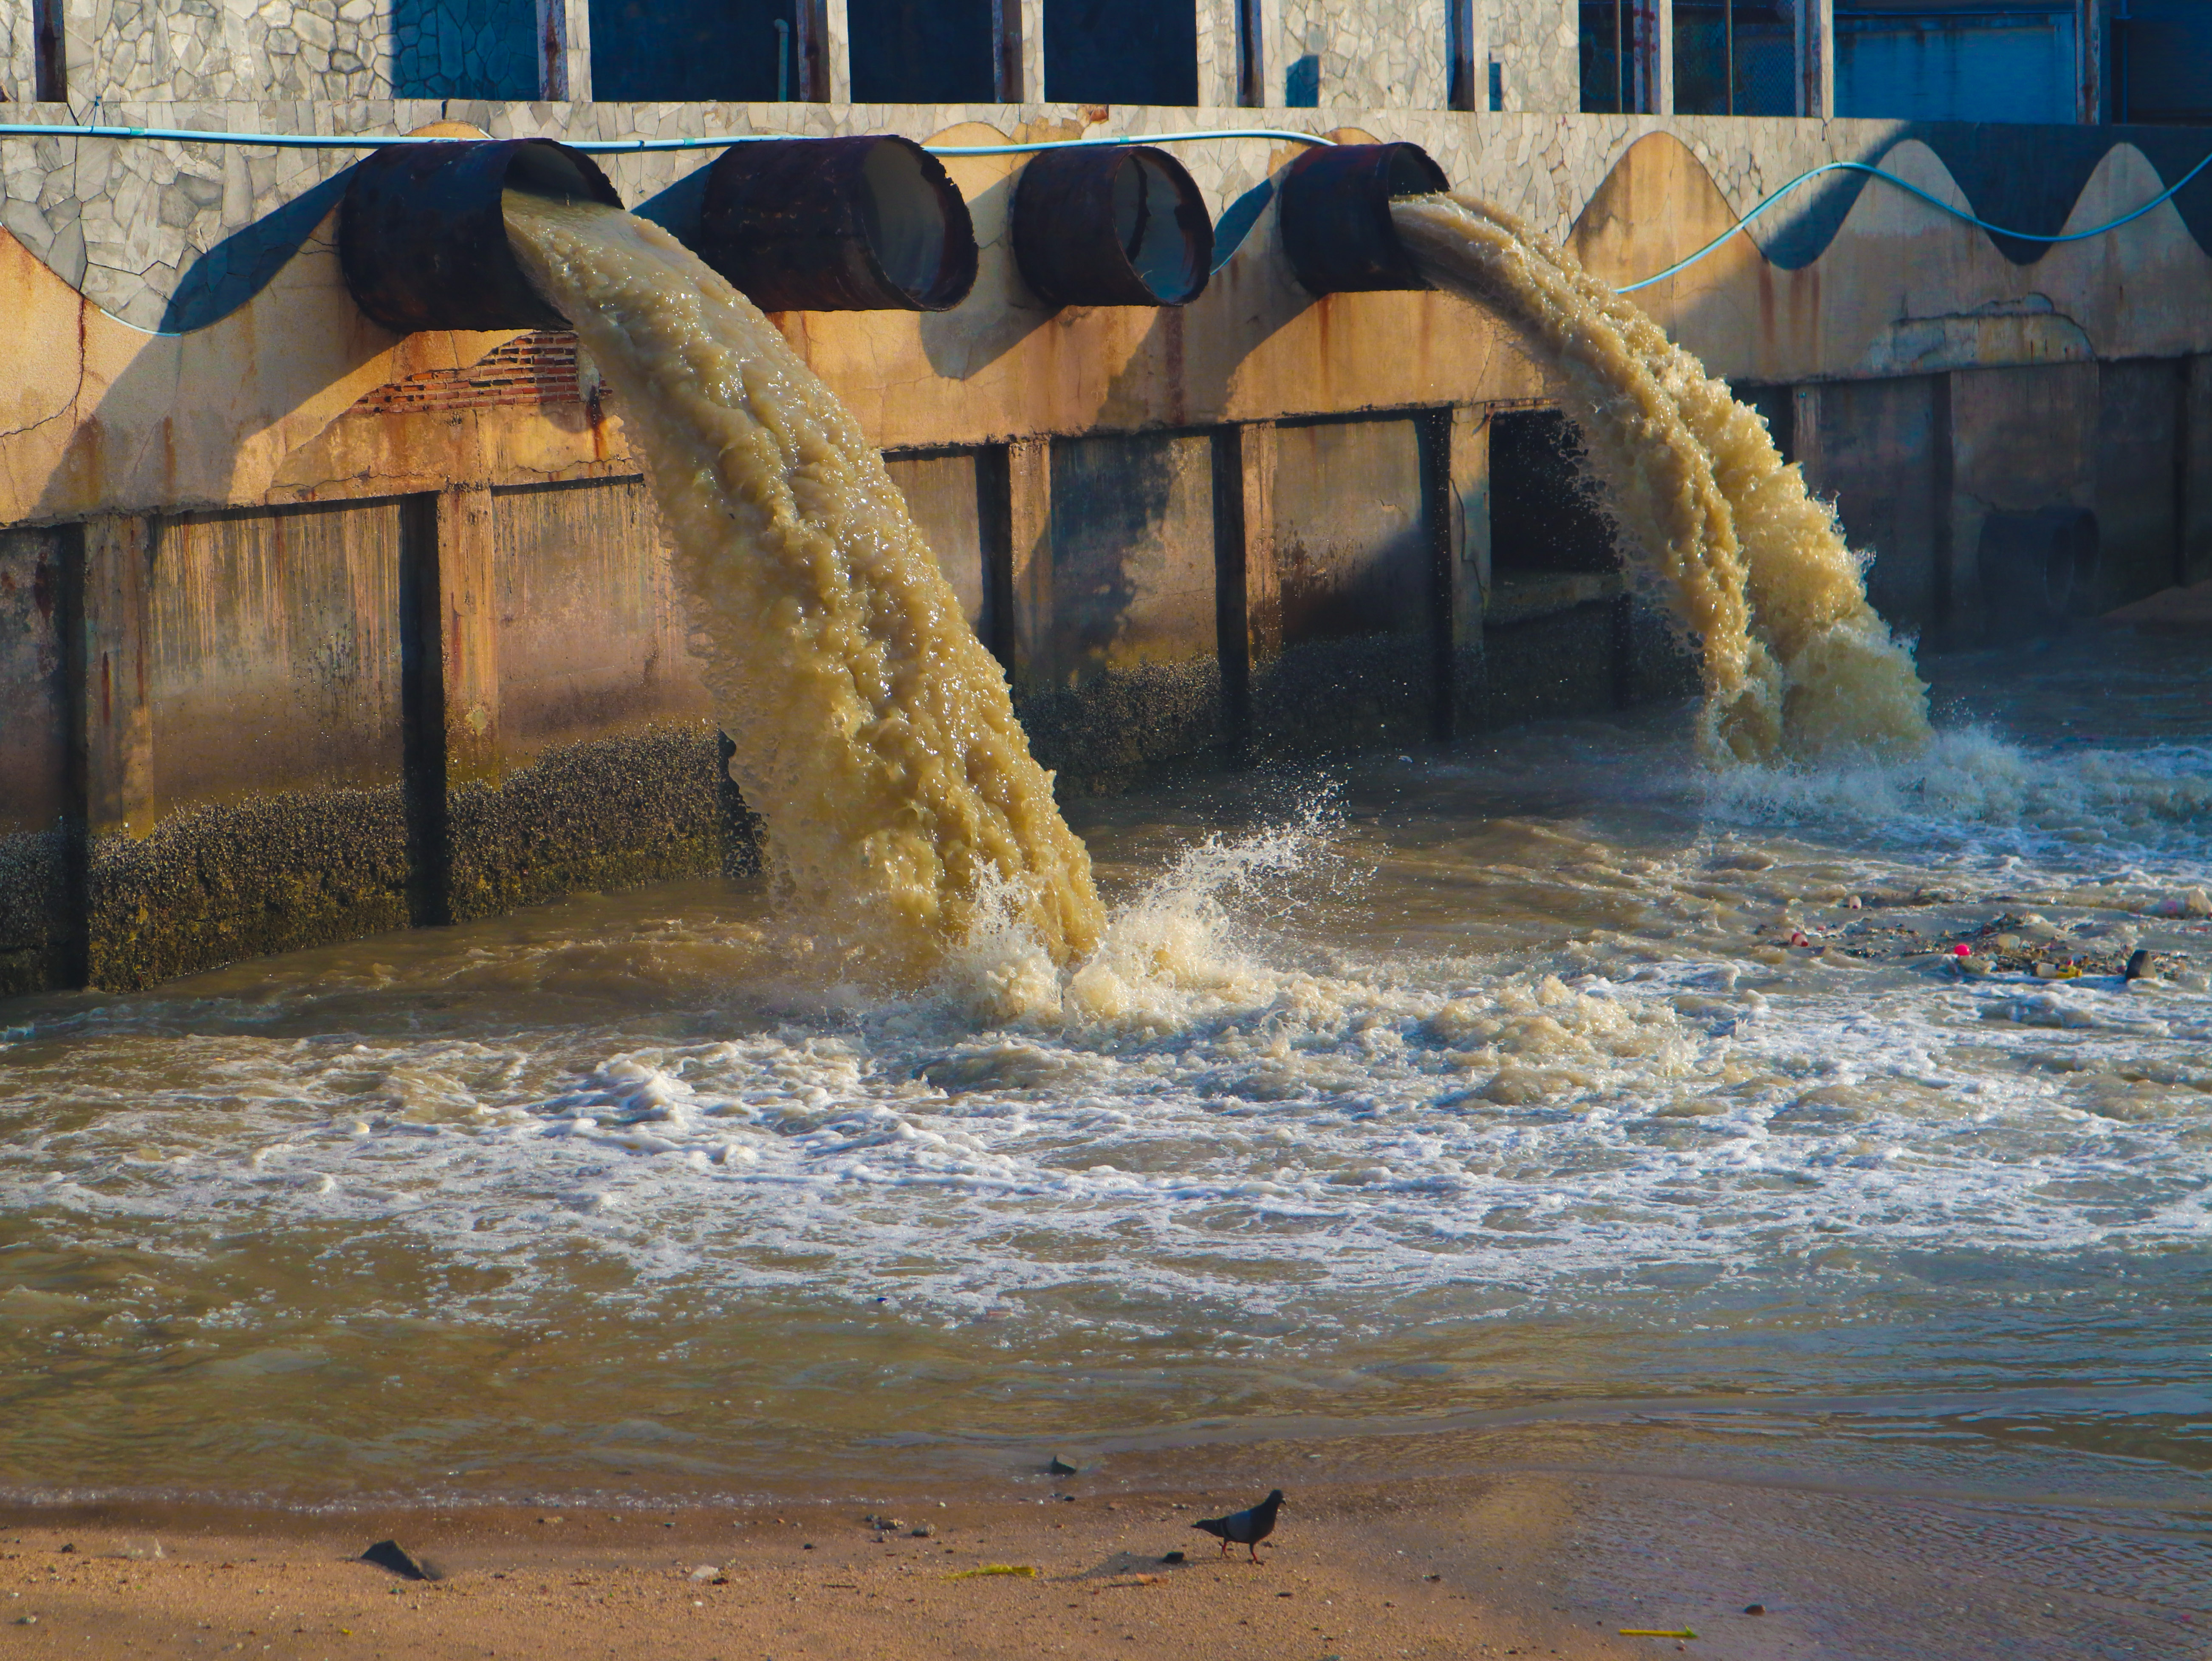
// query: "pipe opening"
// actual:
[[1112, 225], [1334, 210], [863, 224], [423, 235]]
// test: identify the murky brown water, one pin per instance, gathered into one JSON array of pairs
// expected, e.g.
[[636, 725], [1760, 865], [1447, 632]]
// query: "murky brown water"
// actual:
[[872, 730], [1751, 563], [1500, 1093]]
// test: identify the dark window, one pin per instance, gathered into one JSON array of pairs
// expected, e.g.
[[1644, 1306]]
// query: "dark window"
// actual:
[[1607, 40], [1734, 57], [1120, 51], [921, 52], [1544, 514], [691, 50], [49, 58]]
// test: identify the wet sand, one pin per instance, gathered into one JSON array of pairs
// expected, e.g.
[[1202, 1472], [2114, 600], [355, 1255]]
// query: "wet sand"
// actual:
[[1354, 1573], [1512, 1563]]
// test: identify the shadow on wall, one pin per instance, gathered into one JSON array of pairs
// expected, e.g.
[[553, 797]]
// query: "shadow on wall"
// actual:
[[240, 266], [736, 51], [464, 48], [2025, 179]]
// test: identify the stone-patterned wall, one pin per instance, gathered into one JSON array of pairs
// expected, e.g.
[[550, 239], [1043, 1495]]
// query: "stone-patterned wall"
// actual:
[[168, 235], [1327, 53], [191, 50], [18, 85], [1538, 42]]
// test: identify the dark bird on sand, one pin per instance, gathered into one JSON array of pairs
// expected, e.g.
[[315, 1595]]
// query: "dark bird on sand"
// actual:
[[1247, 1528]]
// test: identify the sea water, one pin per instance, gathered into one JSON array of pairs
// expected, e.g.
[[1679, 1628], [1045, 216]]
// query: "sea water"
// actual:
[[1557, 1095], [1490, 1083]]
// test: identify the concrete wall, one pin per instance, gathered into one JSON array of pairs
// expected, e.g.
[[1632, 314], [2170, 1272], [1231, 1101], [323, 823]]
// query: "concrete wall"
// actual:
[[421, 578], [38, 805]]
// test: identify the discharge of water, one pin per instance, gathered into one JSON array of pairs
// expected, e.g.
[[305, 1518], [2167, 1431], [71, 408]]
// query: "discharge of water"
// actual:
[[872, 730], [1796, 662]]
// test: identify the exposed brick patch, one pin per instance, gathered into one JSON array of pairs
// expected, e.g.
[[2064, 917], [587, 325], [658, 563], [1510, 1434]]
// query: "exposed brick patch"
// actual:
[[536, 369]]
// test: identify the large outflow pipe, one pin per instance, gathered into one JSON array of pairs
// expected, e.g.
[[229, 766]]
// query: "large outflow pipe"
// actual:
[[1120, 225], [423, 235], [1334, 208], [866, 224]]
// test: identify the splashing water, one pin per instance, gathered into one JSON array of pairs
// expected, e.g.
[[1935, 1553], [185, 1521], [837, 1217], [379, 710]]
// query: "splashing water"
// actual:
[[1796, 662], [872, 730]]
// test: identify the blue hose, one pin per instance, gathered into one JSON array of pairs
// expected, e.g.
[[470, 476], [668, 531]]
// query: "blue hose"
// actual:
[[620, 146], [316, 141], [1935, 202]]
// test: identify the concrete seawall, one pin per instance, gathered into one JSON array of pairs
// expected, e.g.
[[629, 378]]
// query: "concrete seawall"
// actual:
[[307, 632]]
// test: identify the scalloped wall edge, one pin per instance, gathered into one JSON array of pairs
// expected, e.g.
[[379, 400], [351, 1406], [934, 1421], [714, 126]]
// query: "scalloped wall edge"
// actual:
[[97, 415]]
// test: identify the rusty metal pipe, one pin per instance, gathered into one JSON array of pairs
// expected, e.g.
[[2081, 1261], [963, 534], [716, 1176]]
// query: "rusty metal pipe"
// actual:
[[1123, 225], [1334, 208], [423, 236], [866, 224]]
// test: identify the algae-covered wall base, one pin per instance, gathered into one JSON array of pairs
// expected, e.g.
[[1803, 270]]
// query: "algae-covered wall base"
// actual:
[[606, 813]]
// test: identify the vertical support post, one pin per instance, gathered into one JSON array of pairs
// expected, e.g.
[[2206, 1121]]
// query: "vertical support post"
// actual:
[[1218, 54], [1251, 54], [1467, 565], [2193, 441], [1460, 55], [1816, 59], [2089, 61], [1655, 56], [1248, 613], [553, 50], [1028, 526], [1031, 27], [114, 696], [820, 49], [1263, 584], [422, 717], [1955, 585], [1006, 84], [468, 634], [836, 52]]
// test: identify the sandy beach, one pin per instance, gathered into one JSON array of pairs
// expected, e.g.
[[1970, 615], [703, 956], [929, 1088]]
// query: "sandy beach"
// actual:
[[1354, 1574], [1516, 1563]]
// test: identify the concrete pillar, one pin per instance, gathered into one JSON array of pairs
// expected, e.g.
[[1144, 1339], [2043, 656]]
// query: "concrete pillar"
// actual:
[[1006, 83], [1468, 564], [2089, 61], [1655, 56], [825, 66], [1029, 523], [1030, 30], [1816, 59], [118, 721], [1251, 53], [836, 52], [1263, 588], [468, 634], [2194, 445], [1217, 53], [564, 49], [1462, 51]]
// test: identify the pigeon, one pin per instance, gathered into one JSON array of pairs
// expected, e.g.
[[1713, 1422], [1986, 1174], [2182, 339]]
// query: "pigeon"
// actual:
[[1247, 1528]]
